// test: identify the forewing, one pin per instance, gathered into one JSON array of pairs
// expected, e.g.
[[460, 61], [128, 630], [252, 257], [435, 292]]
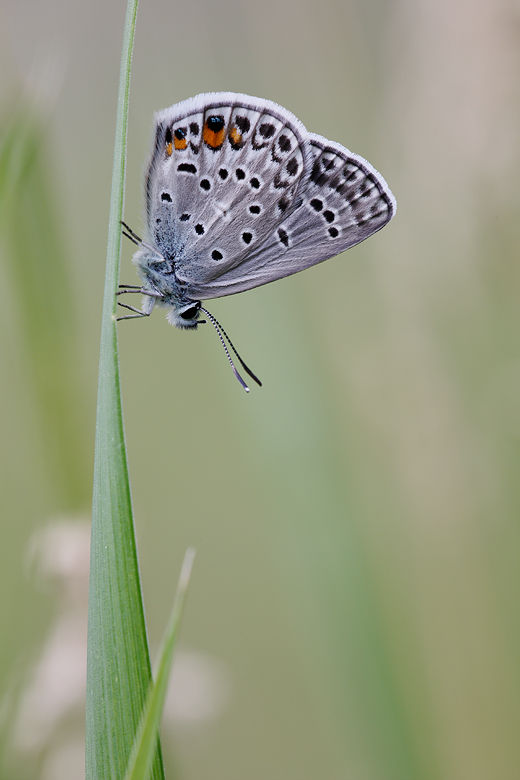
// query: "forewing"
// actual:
[[225, 168], [344, 201]]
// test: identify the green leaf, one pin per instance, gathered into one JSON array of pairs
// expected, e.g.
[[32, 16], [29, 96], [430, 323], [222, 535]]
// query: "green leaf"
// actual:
[[142, 753]]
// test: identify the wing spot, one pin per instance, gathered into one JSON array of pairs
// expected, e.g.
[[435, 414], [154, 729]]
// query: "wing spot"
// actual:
[[284, 238], [333, 232], [199, 229], [223, 173], [204, 184], [236, 134], [266, 130], [280, 183], [235, 138], [317, 204], [243, 123], [240, 174], [166, 196], [216, 255], [214, 132], [179, 138], [329, 216], [194, 128], [184, 217], [255, 184], [187, 168], [254, 209], [292, 166], [247, 238], [168, 139], [284, 143], [317, 176], [351, 173]]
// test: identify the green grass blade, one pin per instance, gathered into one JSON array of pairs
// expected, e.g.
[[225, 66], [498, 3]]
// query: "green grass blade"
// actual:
[[142, 753], [36, 272], [118, 663]]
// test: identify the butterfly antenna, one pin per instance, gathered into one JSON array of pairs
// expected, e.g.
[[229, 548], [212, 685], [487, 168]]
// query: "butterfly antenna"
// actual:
[[223, 335], [244, 366]]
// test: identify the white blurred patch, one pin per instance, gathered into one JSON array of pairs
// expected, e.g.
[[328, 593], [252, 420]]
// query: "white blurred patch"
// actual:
[[48, 720], [60, 555], [55, 688], [199, 689]]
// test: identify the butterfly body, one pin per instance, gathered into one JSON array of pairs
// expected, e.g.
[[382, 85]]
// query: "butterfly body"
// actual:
[[239, 194]]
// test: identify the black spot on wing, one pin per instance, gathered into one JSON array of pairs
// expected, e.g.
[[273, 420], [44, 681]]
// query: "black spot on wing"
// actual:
[[266, 130], [284, 143], [187, 168], [283, 237], [215, 123], [292, 166], [243, 123]]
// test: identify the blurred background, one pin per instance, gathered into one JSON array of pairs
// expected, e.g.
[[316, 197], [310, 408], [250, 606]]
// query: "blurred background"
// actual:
[[353, 612]]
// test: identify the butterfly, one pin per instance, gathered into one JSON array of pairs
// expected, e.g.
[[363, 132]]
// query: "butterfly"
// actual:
[[238, 194]]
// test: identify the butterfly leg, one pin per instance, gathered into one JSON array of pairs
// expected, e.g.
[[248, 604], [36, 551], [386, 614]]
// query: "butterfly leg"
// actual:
[[136, 288], [147, 307], [139, 312]]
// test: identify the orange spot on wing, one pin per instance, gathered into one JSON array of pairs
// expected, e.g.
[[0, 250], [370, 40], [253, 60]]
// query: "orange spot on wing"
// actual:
[[180, 143], [169, 148], [235, 135], [214, 140]]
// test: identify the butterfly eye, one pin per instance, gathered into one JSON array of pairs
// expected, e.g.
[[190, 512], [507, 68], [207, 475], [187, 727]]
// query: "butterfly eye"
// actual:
[[191, 313]]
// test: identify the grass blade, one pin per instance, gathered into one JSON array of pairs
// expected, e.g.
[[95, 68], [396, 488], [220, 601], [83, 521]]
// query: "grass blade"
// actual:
[[142, 753], [35, 263], [118, 663]]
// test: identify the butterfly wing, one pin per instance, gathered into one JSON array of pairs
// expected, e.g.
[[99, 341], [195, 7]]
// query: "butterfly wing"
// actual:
[[344, 200], [225, 168]]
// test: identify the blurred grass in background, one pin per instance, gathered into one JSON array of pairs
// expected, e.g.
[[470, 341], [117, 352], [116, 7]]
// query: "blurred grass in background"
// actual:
[[354, 608]]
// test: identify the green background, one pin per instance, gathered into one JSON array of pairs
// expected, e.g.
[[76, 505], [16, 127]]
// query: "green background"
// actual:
[[355, 590]]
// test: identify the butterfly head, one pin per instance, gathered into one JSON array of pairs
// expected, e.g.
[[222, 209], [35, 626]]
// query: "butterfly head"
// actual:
[[185, 317]]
